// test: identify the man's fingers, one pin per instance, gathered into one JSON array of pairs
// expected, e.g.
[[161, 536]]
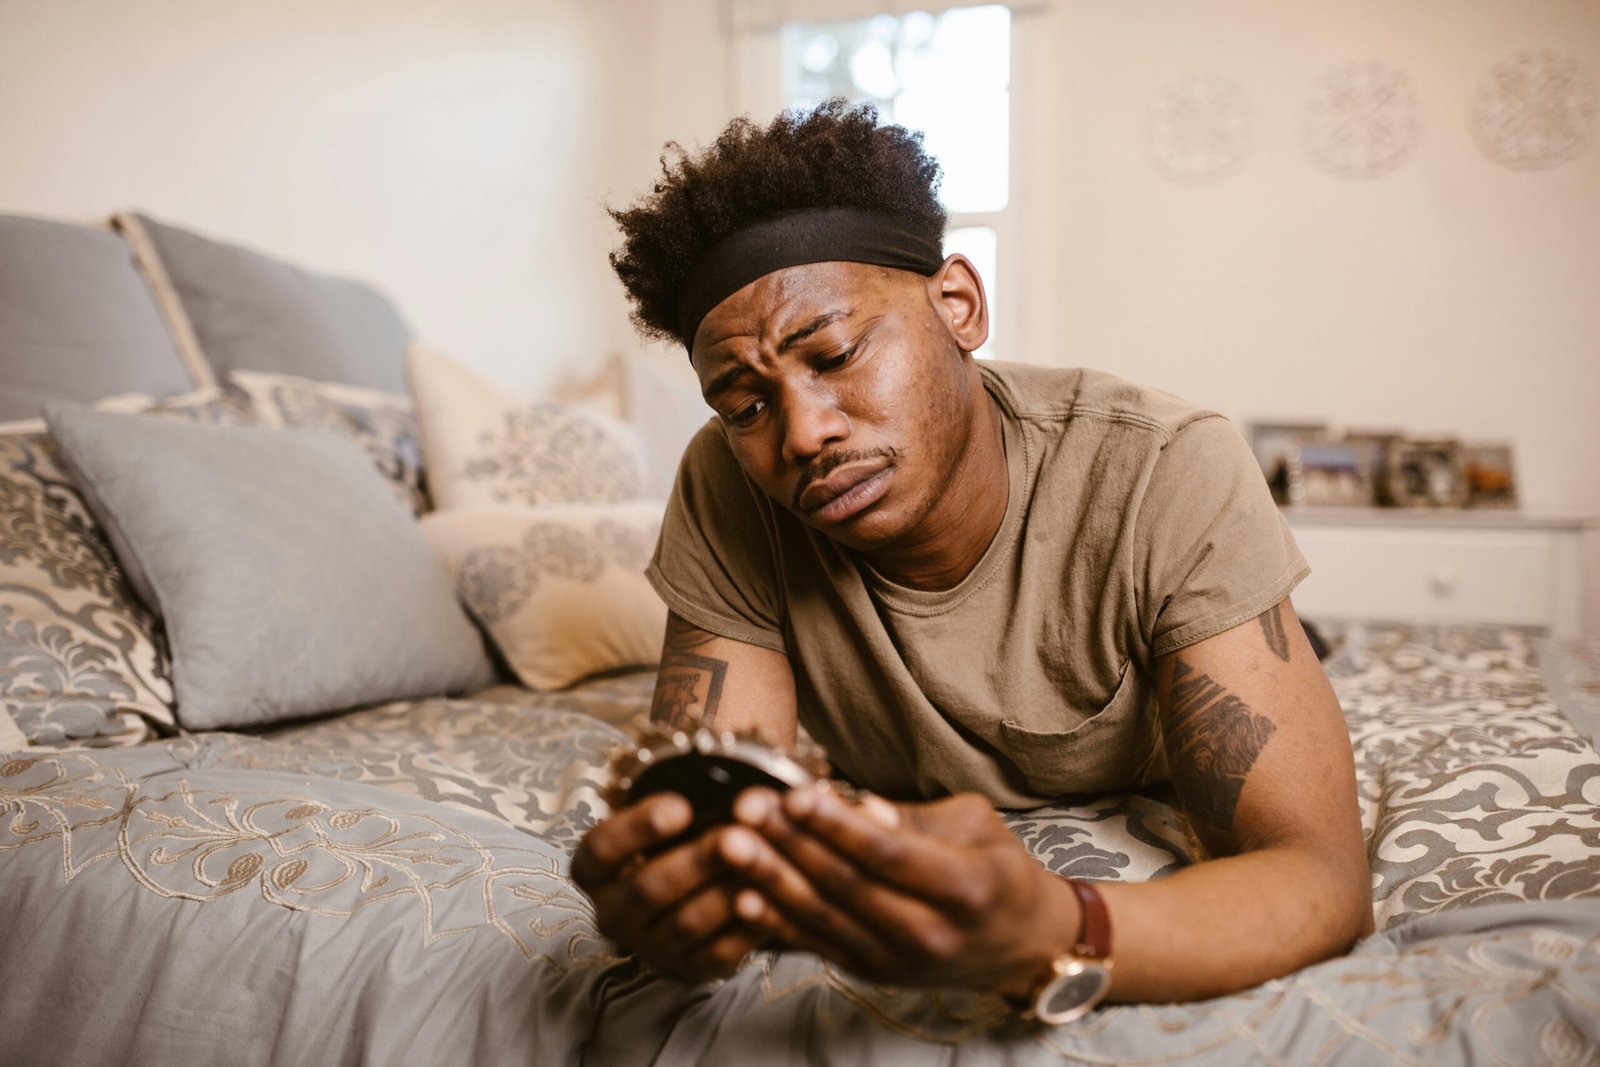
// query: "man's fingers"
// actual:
[[671, 907], [803, 916], [682, 929], [611, 845], [880, 811], [668, 879], [917, 863], [702, 937], [754, 805], [752, 908], [829, 898]]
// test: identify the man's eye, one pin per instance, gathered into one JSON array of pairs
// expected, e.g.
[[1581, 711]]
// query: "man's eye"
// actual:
[[747, 414], [835, 362]]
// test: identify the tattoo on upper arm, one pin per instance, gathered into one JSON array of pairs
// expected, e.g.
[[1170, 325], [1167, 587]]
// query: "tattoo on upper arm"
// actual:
[[1213, 741], [689, 687], [1272, 626]]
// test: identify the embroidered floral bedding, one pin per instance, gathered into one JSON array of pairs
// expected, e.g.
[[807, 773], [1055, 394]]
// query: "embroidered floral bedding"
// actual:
[[389, 886]]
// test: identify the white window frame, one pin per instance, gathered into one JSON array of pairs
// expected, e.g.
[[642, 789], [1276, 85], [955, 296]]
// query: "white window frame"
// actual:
[[1024, 228]]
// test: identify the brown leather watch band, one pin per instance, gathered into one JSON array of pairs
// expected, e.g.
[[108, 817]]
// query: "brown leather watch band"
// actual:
[[1094, 929]]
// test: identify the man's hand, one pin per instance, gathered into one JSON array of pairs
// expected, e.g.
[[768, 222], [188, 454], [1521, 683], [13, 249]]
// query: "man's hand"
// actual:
[[935, 894], [675, 909]]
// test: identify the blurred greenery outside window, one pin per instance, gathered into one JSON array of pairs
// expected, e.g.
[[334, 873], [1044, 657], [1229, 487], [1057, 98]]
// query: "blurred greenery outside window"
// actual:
[[947, 74]]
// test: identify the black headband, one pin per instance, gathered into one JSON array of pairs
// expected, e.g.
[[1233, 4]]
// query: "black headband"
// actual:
[[812, 235]]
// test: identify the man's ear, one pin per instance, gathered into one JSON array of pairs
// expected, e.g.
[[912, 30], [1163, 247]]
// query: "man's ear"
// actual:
[[956, 293]]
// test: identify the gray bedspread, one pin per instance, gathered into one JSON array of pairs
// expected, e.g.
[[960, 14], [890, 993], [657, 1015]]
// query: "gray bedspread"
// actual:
[[388, 886]]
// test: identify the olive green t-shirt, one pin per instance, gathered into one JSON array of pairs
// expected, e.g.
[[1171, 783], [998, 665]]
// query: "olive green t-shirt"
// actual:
[[1136, 524]]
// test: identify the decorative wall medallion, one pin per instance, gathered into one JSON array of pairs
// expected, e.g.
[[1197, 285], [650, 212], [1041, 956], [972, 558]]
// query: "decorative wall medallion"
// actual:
[[1200, 129], [1363, 121], [1535, 110]]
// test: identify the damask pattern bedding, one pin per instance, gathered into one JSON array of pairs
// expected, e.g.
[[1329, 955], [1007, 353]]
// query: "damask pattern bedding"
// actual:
[[388, 886]]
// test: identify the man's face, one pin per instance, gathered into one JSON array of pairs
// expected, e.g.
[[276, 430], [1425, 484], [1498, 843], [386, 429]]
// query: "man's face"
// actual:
[[844, 392]]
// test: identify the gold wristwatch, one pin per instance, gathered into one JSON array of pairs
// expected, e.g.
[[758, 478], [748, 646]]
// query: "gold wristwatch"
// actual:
[[1080, 978]]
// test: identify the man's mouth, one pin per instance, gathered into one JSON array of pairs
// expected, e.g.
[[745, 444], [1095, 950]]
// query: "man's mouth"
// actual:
[[848, 489]]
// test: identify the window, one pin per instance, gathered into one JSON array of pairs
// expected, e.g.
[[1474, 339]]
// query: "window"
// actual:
[[947, 74]]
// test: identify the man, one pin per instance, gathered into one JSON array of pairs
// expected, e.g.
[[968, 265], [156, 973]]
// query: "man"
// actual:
[[976, 586]]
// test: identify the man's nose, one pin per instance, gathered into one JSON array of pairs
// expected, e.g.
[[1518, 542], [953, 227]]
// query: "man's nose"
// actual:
[[812, 420]]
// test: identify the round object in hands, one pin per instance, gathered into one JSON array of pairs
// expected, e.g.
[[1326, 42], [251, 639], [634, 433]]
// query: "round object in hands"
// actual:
[[708, 769]]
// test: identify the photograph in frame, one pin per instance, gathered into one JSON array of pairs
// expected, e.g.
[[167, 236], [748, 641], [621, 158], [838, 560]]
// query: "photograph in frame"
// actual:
[[1490, 475], [1426, 473]]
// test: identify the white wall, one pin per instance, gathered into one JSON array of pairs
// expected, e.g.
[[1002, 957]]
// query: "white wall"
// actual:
[[443, 149], [678, 87]]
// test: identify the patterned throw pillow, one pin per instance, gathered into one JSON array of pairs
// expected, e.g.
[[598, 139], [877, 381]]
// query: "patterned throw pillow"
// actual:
[[82, 660], [383, 424], [561, 589], [486, 447]]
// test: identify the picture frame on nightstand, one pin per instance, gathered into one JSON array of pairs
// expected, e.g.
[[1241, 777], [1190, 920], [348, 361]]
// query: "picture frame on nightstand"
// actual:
[[1426, 473], [1272, 441], [1327, 474], [1491, 479], [1372, 445]]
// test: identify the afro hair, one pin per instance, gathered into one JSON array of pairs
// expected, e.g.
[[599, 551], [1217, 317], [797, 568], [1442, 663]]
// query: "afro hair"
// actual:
[[836, 155]]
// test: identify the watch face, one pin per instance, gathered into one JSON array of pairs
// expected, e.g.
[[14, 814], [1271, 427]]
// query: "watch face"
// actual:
[[1073, 992]]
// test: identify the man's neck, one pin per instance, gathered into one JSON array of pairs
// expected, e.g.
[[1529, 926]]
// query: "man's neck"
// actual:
[[963, 522]]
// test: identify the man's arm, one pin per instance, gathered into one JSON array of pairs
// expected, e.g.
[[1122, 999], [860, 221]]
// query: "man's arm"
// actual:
[[1262, 764], [712, 681], [1261, 760], [676, 909]]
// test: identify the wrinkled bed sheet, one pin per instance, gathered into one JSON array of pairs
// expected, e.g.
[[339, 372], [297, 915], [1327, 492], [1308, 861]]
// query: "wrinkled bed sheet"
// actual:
[[388, 886]]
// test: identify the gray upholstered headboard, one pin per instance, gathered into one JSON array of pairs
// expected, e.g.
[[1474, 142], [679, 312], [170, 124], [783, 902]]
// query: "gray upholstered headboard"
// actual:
[[239, 309], [142, 306], [77, 321]]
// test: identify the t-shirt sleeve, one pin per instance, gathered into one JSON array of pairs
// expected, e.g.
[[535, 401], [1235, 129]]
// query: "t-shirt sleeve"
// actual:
[[714, 563], [1211, 549]]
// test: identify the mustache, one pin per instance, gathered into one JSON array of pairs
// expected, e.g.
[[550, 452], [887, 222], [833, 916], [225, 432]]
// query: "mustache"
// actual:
[[825, 465]]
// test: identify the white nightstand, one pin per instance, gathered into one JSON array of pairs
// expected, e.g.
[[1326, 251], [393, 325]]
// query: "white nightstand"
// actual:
[[1441, 566]]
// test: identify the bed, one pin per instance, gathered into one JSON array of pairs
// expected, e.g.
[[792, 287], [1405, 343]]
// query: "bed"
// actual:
[[388, 886], [388, 883]]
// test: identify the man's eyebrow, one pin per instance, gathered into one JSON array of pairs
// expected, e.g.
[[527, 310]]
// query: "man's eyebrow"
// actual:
[[724, 381], [825, 319]]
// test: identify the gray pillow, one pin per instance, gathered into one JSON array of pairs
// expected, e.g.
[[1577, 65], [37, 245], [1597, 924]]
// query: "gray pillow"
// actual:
[[290, 579], [76, 321], [247, 311]]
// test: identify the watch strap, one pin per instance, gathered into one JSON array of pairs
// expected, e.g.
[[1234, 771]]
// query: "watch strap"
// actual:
[[1093, 944], [1094, 928]]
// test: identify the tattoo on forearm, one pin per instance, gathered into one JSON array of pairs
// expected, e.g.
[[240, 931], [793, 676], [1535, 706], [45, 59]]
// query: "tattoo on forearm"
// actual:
[[1272, 626], [1213, 741], [689, 687]]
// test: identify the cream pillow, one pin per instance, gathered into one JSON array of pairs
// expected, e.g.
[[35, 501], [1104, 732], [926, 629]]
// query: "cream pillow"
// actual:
[[560, 589], [484, 446]]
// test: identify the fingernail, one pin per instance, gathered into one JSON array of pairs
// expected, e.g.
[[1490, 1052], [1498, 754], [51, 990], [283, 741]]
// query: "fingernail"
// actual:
[[670, 814], [754, 805], [801, 802], [748, 905], [880, 810], [826, 803], [737, 847]]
